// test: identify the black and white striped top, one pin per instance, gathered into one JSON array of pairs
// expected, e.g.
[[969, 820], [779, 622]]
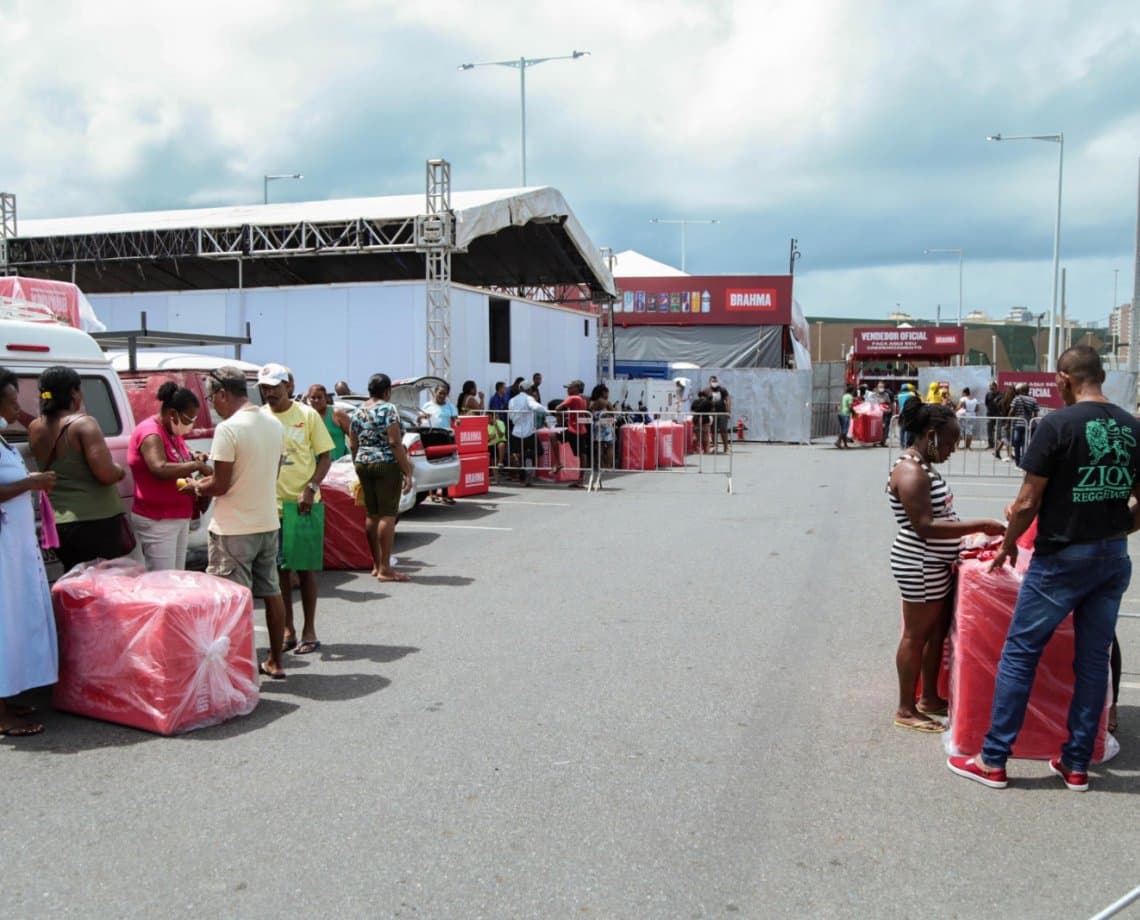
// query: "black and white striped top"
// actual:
[[908, 545]]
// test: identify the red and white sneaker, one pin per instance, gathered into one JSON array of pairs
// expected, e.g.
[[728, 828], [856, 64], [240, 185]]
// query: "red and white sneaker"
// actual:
[[994, 777], [1078, 782]]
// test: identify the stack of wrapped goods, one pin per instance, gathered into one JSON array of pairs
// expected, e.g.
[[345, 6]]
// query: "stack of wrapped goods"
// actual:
[[167, 652], [345, 543], [867, 423], [670, 444], [547, 439], [474, 461], [638, 447], [983, 613]]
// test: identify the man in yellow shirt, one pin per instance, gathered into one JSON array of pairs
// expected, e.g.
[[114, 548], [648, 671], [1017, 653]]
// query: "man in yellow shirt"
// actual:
[[308, 453]]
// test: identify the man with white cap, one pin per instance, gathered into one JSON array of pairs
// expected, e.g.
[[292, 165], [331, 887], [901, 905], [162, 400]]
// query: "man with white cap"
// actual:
[[308, 453]]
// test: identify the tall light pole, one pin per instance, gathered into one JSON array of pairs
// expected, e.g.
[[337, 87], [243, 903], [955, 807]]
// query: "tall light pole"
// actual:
[[1115, 278], [684, 222], [521, 64], [268, 179], [1059, 140]]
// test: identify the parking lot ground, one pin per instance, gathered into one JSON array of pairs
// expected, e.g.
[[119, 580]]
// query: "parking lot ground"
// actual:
[[661, 700]]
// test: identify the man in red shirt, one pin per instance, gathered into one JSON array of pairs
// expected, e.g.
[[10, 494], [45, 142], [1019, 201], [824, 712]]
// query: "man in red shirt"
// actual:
[[577, 434]]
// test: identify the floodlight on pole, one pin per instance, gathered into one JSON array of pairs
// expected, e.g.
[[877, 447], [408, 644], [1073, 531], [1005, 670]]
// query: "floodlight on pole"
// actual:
[[521, 64], [1058, 139], [268, 179], [684, 222]]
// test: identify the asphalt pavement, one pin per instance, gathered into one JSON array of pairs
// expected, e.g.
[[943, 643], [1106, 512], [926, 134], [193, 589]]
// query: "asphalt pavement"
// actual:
[[661, 700]]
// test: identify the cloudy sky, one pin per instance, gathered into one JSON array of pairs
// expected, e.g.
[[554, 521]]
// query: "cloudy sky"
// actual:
[[857, 127]]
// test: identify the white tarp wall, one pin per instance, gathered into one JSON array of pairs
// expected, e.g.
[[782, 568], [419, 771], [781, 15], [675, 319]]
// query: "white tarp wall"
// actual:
[[774, 404], [327, 333]]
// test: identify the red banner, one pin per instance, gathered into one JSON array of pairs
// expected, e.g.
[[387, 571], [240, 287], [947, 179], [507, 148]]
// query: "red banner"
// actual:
[[695, 300], [904, 342], [1042, 386], [60, 297]]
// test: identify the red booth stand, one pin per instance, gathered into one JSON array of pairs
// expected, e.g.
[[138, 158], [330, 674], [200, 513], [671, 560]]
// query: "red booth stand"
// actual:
[[167, 652], [474, 461], [670, 444], [638, 447]]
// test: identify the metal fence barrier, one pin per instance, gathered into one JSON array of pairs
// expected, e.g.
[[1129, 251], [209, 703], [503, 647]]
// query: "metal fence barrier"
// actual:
[[989, 436], [584, 448]]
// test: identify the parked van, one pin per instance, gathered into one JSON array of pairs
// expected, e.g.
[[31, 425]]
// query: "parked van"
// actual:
[[151, 370], [27, 348]]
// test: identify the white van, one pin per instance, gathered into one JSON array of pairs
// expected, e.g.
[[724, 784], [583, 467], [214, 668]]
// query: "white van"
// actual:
[[27, 348], [151, 370]]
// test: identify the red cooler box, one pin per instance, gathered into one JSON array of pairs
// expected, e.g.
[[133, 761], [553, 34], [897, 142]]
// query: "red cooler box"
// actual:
[[570, 470], [167, 652], [474, 474], [471, 434], [346, 546], [984, 610], [670, 444], [638, 447]]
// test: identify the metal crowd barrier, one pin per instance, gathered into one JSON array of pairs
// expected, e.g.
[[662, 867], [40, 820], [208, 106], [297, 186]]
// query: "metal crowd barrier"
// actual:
[[587, 447], [980, 461]]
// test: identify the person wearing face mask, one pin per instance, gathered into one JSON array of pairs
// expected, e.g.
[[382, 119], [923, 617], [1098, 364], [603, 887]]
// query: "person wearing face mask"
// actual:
[[722, 409], [922, 556], [158, 457]]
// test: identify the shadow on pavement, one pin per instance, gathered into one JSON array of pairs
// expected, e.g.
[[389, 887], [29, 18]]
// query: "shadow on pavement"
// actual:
[[325, 687], [381, 654]]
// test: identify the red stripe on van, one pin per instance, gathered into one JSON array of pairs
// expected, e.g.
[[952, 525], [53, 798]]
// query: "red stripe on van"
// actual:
[[29, 348]]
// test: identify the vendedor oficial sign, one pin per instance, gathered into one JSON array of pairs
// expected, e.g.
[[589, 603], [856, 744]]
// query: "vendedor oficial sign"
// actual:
[[737, 300], [1042, 386], [922, 342]]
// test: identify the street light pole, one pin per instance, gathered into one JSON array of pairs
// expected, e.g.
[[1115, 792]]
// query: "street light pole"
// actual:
[[684, 222], [522, 64], [1059, 140], [268, 179]]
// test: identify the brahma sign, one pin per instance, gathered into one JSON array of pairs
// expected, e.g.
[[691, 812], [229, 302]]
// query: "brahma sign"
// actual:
[[909, 342], [685, 300]]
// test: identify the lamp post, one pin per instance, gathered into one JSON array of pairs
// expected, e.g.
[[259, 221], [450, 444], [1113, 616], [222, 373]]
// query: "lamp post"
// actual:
[[684, 222], [1059, 140], [819, 341], [521, 64], [1037, 342], [268, 179]]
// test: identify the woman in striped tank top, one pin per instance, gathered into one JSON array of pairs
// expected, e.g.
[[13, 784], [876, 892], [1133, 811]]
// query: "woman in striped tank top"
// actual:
[[922, 557]]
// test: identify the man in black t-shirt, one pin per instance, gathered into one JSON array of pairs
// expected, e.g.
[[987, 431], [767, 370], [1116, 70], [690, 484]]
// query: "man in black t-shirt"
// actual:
[[993, 410], [1082, 469], [721, 407]]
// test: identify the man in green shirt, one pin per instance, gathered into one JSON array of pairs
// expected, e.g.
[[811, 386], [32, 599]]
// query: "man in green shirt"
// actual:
[[846, 401]]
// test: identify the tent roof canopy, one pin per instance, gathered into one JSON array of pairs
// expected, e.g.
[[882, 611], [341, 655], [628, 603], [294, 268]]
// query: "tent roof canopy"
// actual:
[[507, 238]]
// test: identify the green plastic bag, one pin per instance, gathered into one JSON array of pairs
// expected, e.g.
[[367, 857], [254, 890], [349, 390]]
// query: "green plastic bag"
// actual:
[[303, 538]]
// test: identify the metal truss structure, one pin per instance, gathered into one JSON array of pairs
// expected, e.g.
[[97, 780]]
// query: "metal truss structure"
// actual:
[[433, 237], [7, 226]]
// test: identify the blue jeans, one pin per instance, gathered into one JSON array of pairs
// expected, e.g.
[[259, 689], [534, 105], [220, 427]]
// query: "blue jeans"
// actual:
[[844, 425], [1018, 442], [1089, 579]]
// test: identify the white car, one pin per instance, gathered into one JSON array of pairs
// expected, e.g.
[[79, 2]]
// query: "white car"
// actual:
[[432, 451]]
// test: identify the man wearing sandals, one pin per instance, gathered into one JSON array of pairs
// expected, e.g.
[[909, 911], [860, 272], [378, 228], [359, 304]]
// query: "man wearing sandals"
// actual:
[[308, 453], [245, 455], [577, 433]]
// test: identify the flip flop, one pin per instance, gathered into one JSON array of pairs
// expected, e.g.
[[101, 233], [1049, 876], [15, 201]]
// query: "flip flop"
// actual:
[[943, 710], [307, 647], [927, 726], [276, 675], [397, 577], [22, 731], [289, 645]]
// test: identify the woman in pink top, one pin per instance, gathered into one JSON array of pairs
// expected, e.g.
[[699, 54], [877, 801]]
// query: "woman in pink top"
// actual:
[[158, 458]]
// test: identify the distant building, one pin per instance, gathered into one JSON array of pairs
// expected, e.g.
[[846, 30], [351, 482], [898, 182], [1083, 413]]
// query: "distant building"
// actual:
[[1020, 315], [1119, 330], [899, 317], [977, 316]]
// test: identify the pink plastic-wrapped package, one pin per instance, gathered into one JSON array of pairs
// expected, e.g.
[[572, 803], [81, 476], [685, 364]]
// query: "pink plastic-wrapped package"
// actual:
[[346, 546], [867, 423], [670, 444], [167, 652], [984, 610]]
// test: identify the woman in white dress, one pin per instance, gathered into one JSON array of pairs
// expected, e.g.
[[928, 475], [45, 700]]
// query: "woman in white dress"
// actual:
[[29, 655]]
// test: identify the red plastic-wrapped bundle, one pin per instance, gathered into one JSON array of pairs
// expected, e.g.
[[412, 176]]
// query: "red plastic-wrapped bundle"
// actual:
[[867, 423], [167, 652], [670, 444], [638, 447], [984, 609], [346, 546], [570, 471]]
